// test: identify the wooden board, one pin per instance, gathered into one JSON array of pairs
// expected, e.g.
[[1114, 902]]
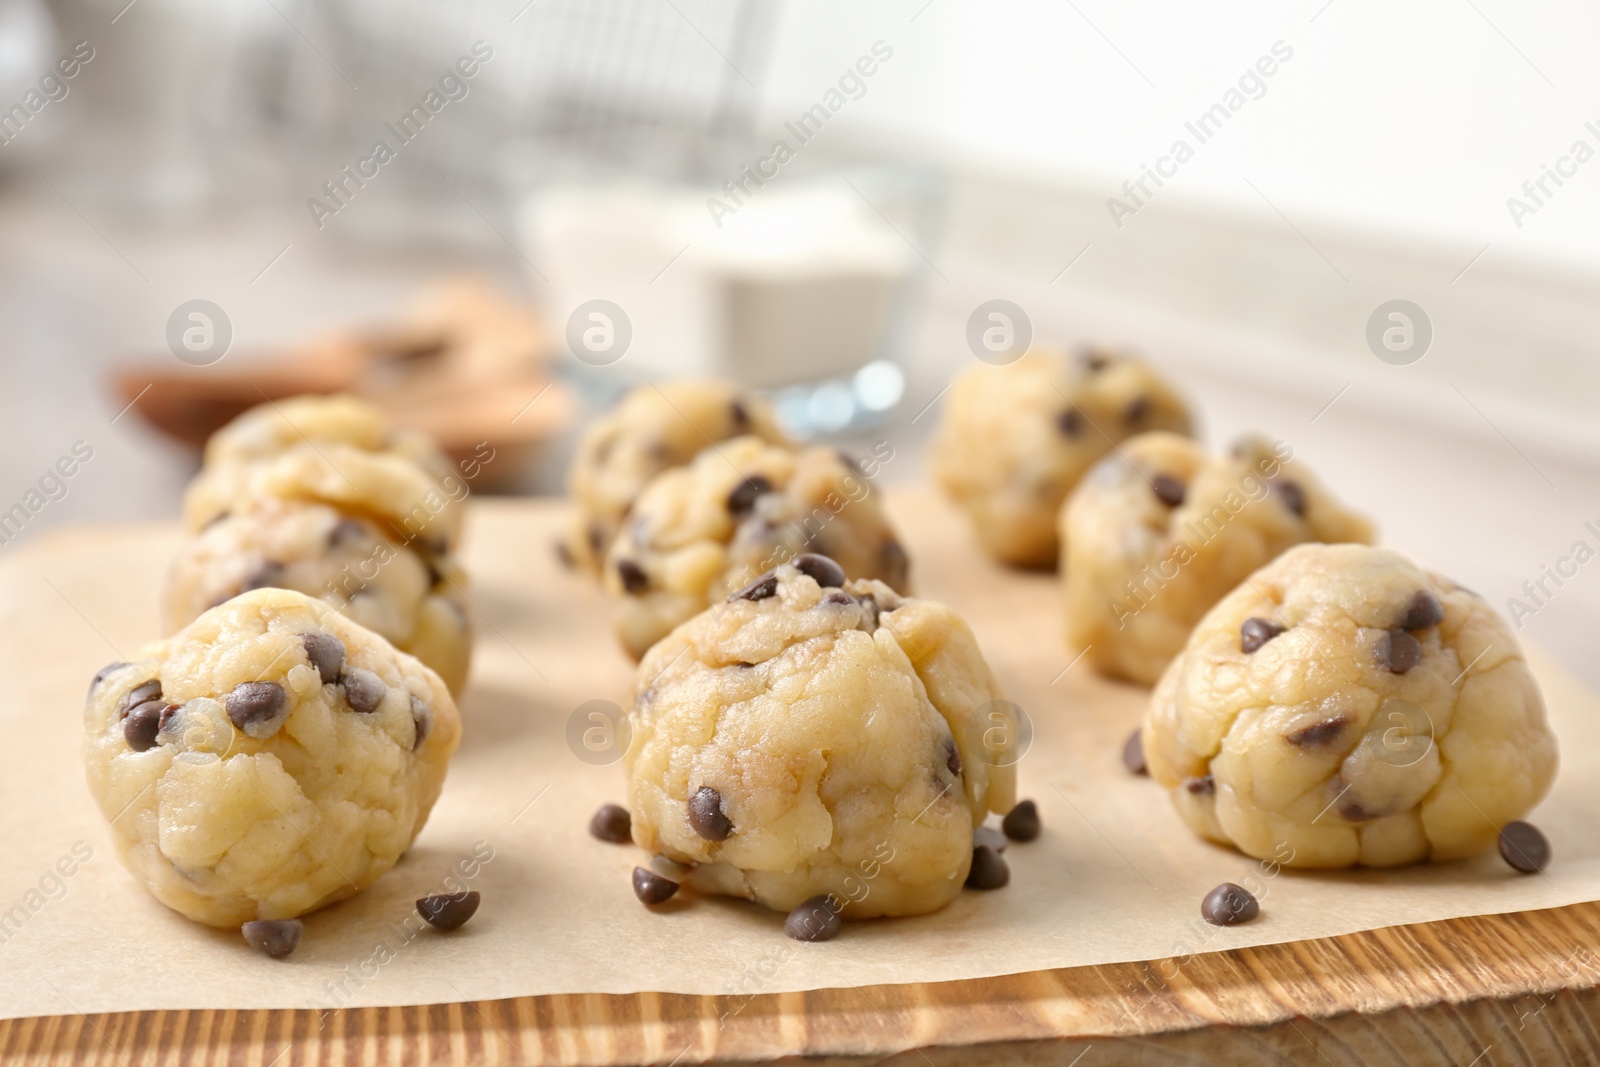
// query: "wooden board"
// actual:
[[1511, 988]]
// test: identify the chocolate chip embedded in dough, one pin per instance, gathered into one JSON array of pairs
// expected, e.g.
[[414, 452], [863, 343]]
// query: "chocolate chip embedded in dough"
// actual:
[[421, 721], [1093, 361], [1133, 753], [325, 652], [1069, 422], [760, 589], [267, 574], [634, 579], [1318, 733], [952, 757], [739, 414], [988, 870], [1204, 785], [824, 571], [449, 911], [345, 530], [816, 919], [363, 690], [139, 729], [652, 888], [276, 937], [596, 536], [257, 709], [612, 823], [1294, 497], [1136, 410], [1398, 651], [705, 815], [1229, 905], [102, 674], [744, 495], [1022, 822], [1169, 490], [896, 565], [1424, 611], [1256, 632], [140, 693]]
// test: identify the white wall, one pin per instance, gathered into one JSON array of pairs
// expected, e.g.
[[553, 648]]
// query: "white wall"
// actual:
[[1415, 118]]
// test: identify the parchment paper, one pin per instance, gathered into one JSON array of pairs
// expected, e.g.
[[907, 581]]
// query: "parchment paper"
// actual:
[[1115, 876]]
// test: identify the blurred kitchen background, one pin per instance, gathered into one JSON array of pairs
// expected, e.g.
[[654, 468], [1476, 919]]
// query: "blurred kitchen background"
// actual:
[[578, 196]]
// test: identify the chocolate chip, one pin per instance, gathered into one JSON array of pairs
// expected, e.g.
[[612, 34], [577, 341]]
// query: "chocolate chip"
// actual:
[[1256, 632], [257, 708], [634, 579], [1069, 422], [1229, 905], [988, 835], [276, 937], [988, 870], [564, 555], [269, 573], [1094, 362], [1294, 497], [325, 652], [345, 530], [839, 598], [651, 888], [1137, 409], [449, 911], [139, 729], [1399, 651], [1350, 810], [743, 497], [140, 693], [1169, 490], [421, 721], [740, 414], [1524, 847], [213, 520], [823, 570], [363, 690], [848, 460], [1318, 733], [870, 623], [1022, 822], [896, 564], [952, 758], [597, 537], [760, 589], [1133, 753], [612, 823], [1202, 786], [705, 815], [1423, 611], [101, 675], [816, 919]]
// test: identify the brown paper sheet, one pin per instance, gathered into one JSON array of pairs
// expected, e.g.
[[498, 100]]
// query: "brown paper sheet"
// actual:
[[1115, 876]]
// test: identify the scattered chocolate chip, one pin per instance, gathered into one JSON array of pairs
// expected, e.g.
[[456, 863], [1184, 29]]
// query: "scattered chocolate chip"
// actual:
[[870, 623], [139, 729], [101, 675], [1201, 786], [1350, 810], [345, 530], [1137, 409], [823, 570], [634, 579], [363, 690], [952, 758], [140, 693], [651, 888], [988, 871], [257, 708], [1256, 632], [1399, 651], [325, 652], [1524, 847], [895, 563], [1318, 733], [612, 823], [1094, 362], [449, 911], [1069, 422], [760, 589], [816, 919], [269, 573], [743, 497], [1294, 497], [276, 937], [839, 597], [1022, 822], [1229, 905], [1169, 490], [988, 835], [421, 721], [705, 815], [1423, 611], [1133, 753], [740, 414]]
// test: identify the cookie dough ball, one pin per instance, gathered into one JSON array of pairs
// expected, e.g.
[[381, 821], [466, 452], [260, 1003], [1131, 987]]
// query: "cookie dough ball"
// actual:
[[399, 590], [1344, 706], [655, 428], [815, 736], [1014, 440], [336, 450], [698, 533], [1159, 532], [271, 758]]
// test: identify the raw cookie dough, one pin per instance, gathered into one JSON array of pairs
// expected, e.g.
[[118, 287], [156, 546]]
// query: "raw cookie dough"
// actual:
[[412, 598], [1014, 440], [1159, 532], [800, 740], [1344, 706], [655, 428], [336, 450], [272, 758], [699, 532]]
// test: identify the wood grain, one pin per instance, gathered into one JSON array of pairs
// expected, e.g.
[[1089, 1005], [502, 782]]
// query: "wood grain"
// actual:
[[1493, 989]]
